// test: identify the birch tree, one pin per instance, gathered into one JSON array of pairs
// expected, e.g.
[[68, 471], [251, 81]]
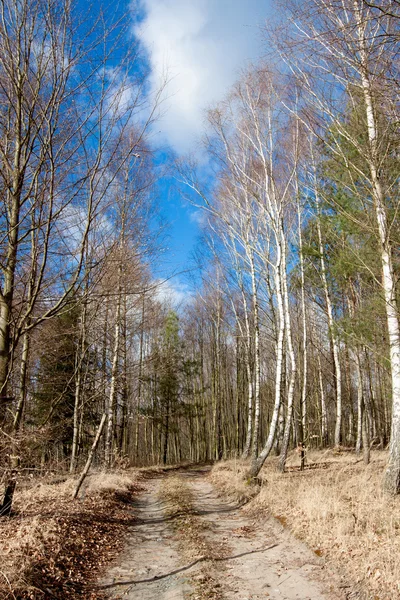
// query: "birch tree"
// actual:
[[348, 50], [249, 129], [271, 180]]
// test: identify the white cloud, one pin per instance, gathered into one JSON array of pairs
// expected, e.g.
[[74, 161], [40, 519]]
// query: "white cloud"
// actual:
[[202, 44], [172, 292], [122, 94], [199, 217]]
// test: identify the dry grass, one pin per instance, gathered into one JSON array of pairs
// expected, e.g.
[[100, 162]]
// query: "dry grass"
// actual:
[[117, 483], [230, 478], [338, 509], [50, 543]]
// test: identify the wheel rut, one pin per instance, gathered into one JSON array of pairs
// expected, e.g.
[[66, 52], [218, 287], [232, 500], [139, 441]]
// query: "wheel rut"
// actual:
[[150, 567], [259, 560], [243, 559]]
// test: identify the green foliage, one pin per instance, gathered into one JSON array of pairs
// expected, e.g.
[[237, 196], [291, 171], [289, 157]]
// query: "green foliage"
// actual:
[[348, 226], [170, 382], [170, 363]]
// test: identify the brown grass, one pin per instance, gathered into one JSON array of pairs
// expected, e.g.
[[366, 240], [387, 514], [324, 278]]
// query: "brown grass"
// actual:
[[339, 510], [230, 478], [51, 547]]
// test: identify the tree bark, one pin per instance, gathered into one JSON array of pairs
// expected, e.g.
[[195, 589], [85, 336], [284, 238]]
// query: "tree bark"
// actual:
[[303, 399], [258, 462], [332, 332], [80, 355], [90, 456], [114, 374], [292, 359], [392, 475], [257, 367]]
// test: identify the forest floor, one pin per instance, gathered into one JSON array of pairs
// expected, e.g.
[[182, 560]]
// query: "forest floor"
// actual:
[[189, 542], [54, 547], [327, 533], [337, 507]]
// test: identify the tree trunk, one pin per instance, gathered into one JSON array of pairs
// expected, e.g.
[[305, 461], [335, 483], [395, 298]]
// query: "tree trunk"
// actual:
[[303, 399], [366, 438], [90, 456], [250, 387], [140, 377], [258, 462], [166, 434], [332, 332], [114, 374], [392, 475], [324, 413], [78, 389], [360, 401], [292, 358], [257, 368]]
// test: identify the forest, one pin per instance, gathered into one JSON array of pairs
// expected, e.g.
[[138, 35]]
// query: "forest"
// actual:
[[290, 338]]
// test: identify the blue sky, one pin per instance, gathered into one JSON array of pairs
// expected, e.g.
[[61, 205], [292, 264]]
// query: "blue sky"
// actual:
[[200, 46]]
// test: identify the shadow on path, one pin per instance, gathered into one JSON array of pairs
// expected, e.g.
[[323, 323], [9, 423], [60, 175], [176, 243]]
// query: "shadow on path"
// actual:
[[186, 568]]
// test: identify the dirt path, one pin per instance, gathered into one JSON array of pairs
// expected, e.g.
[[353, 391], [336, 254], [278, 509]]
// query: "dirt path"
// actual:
[[150, 567], [262, 559], [252, 561]]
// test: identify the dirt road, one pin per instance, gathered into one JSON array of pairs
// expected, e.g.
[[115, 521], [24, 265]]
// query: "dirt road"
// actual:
[[241, 559]]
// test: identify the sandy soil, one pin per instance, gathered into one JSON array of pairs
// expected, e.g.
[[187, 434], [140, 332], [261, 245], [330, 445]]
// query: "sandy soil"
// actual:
[[254, 561], [150, 566]]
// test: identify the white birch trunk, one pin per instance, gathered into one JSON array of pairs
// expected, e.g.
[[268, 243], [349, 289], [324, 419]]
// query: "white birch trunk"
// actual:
[[324, 413], [334, 341], [257, 369], [246, 449], [258, 462], [303, 401], [392, 474], [249, 374], [292, 359]]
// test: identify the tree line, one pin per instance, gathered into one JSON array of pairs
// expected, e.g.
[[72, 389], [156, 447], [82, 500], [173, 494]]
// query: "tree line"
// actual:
[[292, 336], [303, 228]]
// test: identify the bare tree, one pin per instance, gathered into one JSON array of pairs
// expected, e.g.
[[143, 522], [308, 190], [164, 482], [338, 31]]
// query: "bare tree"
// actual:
[[348, 52], [249, 130], [56, 171]]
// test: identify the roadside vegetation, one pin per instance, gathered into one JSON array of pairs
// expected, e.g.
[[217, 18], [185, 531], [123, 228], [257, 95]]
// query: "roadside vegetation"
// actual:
[[52, 547], [290, 336], [336, 505]]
